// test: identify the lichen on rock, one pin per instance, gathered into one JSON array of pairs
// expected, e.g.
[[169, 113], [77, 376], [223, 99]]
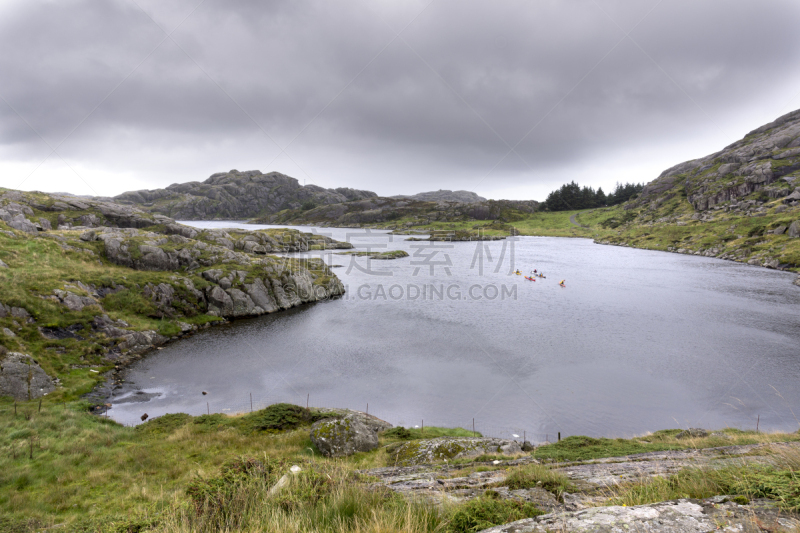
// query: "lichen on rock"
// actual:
[[345, 436], [22, 378]]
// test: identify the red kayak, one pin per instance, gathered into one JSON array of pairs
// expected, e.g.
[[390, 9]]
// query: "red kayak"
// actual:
[[529, 279]]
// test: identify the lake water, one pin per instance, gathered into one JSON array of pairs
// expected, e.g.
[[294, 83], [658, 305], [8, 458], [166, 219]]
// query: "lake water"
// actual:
[[636, 341]]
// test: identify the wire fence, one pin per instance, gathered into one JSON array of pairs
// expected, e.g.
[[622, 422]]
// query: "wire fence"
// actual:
[[478, 426]]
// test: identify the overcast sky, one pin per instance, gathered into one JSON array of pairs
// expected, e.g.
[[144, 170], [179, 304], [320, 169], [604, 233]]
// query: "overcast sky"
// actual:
[[508, 99]]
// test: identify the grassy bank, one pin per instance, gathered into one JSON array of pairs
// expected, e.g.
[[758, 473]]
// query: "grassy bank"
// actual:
[[62, 465]]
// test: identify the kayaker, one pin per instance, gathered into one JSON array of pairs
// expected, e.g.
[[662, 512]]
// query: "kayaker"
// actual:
[[562, 283]]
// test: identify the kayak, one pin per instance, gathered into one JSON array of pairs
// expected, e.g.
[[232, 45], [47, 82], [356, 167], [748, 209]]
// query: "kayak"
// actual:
[[529, 279]]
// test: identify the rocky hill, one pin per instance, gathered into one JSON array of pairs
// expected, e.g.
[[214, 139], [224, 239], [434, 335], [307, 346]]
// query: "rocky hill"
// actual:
[[442, 195], [741, 203], [767, 159], [236, 195], [87, 284]]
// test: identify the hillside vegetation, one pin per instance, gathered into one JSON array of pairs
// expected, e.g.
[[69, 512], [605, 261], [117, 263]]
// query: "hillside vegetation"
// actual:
[[110, 282]]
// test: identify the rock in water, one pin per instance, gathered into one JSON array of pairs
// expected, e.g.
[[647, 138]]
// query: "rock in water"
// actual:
[[343, 436]]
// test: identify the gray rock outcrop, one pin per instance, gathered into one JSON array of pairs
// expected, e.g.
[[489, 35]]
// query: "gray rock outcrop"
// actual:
[[72, 301], [762, 158], [676, 516], [447, 448], [22, 378], [17, 210], [373, 422], [696, 433], [16, 312], [340, 437]]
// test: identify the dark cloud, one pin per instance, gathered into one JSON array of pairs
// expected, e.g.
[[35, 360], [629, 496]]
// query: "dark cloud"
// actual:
[[508, 97]]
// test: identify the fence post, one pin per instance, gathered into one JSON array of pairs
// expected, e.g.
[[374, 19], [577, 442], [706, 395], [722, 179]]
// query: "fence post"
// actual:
[[473, 428], [559, 436], [423, 426], [208, 408], [251, 402]]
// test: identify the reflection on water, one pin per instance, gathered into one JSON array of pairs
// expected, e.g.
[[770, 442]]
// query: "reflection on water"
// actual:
[[636, 341]]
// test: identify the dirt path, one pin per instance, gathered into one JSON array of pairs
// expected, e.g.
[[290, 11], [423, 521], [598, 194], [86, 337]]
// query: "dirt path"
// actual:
[[575, 222]]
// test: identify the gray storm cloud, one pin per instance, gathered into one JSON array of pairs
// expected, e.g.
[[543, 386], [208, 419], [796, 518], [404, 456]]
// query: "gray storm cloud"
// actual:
[[505, 98]]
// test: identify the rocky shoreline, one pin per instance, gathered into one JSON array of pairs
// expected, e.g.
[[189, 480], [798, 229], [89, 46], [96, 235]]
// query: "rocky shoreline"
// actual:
[[113, 283], [714, 253]]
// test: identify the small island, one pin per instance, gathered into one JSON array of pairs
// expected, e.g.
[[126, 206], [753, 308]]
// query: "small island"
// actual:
[[391, 254]]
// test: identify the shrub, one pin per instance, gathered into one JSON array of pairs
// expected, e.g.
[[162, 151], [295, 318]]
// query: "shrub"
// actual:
[[214, 495], [530, 476], [280, 417], [398, 432], [487, 511], [164, 424]]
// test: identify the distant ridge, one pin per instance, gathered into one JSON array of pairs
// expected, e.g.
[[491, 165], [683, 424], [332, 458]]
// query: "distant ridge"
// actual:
[[444, 195]]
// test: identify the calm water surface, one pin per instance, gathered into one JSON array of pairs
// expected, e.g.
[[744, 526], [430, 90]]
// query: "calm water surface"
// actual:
[[637, 341]]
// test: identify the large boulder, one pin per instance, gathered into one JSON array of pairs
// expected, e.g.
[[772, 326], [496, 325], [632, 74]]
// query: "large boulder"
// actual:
[[260, 295], [794, 229], [23, 224], [154, 258], [138, 342], [340, 437], [22, 378], [219, 302], [242, 304], [16, 312], [72, 301], [373, 422]]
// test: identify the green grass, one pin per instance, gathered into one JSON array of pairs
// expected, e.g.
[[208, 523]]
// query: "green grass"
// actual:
[[39, 265], [779, 482], [429, 432], [91, 472], [530, 476], [581, 448], [488, 511]]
